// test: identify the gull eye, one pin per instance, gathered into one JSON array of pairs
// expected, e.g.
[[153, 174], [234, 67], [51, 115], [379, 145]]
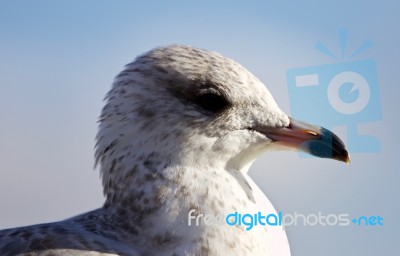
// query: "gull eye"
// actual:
[[211, 102]]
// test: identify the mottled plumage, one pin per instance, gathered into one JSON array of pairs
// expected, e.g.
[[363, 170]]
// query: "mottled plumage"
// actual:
[[180, 128]]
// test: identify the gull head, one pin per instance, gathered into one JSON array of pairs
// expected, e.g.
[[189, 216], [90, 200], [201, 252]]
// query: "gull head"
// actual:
[[184, 106]]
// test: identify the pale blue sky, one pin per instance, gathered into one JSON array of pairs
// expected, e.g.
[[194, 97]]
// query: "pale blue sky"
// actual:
[[58, 59]]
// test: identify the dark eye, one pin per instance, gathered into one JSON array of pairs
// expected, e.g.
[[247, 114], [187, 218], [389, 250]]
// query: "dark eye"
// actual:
[[211, 102]]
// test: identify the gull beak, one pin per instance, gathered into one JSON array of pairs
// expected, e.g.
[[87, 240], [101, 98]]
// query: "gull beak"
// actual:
[[315, 140]]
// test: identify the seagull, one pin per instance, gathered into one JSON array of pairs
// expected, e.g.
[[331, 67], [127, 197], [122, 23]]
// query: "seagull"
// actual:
[[179, 131]]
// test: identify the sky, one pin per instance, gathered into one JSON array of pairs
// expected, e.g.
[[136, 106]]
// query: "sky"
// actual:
[[58, 60]]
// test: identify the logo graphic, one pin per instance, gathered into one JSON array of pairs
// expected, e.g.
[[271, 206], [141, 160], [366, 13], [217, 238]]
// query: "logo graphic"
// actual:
[[341, 94]]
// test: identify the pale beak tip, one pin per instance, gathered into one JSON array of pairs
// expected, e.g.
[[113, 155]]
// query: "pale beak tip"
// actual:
[[348, 160]]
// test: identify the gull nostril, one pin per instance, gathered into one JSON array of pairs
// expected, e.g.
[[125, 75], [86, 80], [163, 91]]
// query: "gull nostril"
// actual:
[[312, 133]]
